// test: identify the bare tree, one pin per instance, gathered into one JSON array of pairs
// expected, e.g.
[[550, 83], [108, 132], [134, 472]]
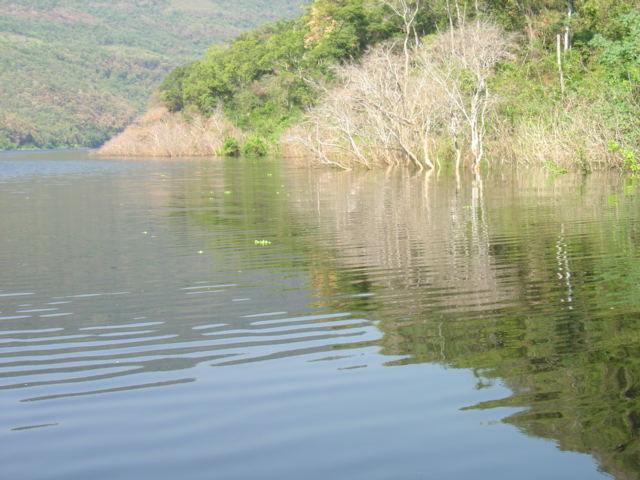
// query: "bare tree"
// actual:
[[388, 114], [567, 28], [461, 65], [408, 11], [381, 115]]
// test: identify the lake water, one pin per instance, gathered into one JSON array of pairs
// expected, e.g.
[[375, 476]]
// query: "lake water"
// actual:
[[204, 319]]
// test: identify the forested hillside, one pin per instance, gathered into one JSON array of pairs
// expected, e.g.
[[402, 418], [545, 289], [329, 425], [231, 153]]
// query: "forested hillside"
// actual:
[[388, 82], [74, 72]]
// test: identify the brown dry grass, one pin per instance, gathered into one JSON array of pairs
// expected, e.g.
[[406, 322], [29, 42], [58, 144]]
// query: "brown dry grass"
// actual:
[[572, 136], [160, 133]]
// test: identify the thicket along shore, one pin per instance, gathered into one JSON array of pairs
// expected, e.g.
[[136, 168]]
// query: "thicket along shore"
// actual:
[[405, 82]]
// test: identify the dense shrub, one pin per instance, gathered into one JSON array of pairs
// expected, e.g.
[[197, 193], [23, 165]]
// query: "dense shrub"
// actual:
[[525, 108], [230, 147], [255, 146], [266, 78]]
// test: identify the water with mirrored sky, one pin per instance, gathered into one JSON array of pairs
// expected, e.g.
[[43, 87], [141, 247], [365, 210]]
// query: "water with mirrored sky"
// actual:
[[239, 319]]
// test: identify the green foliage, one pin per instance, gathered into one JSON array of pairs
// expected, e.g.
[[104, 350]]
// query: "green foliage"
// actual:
[[171, 89], [601, 76], [5, 142], [629, 157], [554, 168], [631, 161], [77, 75], [76, 72], [263, 80], [230, 147], [267, 78], [255, 146], [620, 49]]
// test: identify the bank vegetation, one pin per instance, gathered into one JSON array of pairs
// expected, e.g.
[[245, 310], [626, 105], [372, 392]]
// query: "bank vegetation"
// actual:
[[371, 83], [161, 133]]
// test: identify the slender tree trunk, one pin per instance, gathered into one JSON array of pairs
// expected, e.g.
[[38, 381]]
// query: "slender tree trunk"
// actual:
[[559, 60], [530, 31], [407, 60], [567, 28], [425, 150]]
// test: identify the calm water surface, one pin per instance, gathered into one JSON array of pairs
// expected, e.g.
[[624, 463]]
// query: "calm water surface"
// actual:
[[205, 319]]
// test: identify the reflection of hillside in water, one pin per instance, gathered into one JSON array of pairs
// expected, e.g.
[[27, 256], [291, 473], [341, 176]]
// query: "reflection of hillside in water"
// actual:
[[525, 279], [531, 280], [161, 275]]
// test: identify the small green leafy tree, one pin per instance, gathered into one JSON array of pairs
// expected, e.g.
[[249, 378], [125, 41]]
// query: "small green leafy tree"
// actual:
[[620, 47], [230, 147], [629, 157], [255, 146]]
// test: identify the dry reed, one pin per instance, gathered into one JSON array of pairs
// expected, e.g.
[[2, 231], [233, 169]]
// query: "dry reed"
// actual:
[[160, 133]]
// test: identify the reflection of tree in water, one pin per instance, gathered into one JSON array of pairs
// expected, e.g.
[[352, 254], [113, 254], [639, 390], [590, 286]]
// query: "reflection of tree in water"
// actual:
[[533, 282], [518, 278], [407, 236]]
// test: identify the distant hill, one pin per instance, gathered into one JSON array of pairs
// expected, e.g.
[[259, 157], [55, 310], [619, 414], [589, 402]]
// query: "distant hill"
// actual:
[[74, 72]]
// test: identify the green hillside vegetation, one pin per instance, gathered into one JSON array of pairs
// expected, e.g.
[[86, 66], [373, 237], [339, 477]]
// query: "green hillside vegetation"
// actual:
[[266, 78], [582, 111], [75, 72]]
